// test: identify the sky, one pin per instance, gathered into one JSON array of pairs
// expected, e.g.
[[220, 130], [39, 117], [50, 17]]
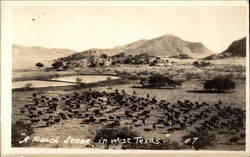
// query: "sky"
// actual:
[[83, 27]]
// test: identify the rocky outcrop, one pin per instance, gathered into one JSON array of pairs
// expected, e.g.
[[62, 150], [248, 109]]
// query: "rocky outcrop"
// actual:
[[95, 58], [236, 49]]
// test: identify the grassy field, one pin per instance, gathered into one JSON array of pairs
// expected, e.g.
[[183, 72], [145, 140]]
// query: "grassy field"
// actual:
[[194, 79]]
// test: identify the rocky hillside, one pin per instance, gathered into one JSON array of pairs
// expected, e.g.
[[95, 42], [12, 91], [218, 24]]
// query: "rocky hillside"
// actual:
[[95, 58], [27, 57], [235, 49], [167, 45]]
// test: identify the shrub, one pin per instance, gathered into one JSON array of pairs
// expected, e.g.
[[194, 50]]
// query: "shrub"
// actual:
[[109, 78], [220, 83], [201, 64], [78, 80], [28, 85], [39, 65], [57, 65], [158, 80]]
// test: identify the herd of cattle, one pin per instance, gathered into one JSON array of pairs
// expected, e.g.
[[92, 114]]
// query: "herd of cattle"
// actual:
[[119, 108]]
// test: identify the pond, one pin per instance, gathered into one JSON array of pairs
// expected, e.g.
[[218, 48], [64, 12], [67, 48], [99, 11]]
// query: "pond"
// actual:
[[86, 78], [37, 83], [63, 81]]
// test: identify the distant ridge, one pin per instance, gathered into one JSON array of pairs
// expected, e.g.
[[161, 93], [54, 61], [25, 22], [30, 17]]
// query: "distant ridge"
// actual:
[[27, 57], [166, 45]]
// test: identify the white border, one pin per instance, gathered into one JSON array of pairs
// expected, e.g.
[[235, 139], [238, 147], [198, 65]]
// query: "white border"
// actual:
[[6, 70]]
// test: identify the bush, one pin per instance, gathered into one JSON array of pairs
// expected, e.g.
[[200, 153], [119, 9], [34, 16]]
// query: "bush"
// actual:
[[57, 65], [17, 129], [201, 64], [158, 80], [28, 85], [39, 65], [220, 83], [109, 78], [79, 80]]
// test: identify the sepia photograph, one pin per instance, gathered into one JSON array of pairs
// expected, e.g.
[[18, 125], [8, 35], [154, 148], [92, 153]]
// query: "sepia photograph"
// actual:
[[127, 76]]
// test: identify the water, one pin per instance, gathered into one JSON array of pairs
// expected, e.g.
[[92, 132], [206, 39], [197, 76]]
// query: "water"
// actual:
[[36, 83], [85, 78], [68, 80]]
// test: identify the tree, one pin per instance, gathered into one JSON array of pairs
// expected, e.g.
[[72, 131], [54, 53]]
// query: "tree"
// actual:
[[220, 83], [109, 78], [78, 80], [39, 65], [158, 80], [57, 65], [28, 85]]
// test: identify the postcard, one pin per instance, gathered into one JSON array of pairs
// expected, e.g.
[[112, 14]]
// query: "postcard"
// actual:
[[135, 78]]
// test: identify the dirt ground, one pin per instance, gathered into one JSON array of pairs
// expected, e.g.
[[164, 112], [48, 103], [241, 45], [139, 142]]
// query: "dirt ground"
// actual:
[[73, 128]]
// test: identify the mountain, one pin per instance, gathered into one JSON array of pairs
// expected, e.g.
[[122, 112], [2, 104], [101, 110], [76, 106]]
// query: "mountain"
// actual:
[[27, 57], [167, 45], [235, 49]]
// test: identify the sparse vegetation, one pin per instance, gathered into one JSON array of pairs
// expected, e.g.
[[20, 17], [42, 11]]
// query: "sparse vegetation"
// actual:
[[113, 103], [200, 64], [17, 130], [182, 56], [199, 140]]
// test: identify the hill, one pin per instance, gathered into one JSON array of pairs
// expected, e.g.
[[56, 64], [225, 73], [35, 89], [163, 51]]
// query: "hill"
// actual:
[[235, 49], [95, 58], [27, 57], [167, 45]]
